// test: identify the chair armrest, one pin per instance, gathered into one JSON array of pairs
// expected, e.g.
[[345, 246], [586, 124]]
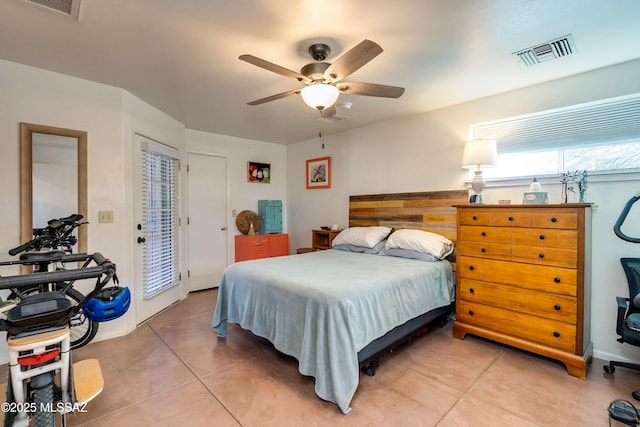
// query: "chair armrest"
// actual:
[[623, 304]]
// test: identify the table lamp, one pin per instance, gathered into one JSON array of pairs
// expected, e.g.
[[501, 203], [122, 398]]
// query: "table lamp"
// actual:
[[478, 154]]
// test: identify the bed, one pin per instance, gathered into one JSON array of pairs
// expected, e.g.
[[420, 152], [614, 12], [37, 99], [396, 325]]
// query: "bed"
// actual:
[[334, 310]]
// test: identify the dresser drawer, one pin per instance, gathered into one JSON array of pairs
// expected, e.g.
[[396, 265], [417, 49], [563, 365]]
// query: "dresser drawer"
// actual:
[[545, 256], [473, 217], [550, 306], [512, 218], [568, 219], [552, 238], [544, 331], [484, 234], [485, 250], [544, 278]]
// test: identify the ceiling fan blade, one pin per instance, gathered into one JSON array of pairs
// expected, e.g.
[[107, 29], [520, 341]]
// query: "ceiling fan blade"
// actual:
[[371, 89], [270, 66], [352, 60], [274, 97]]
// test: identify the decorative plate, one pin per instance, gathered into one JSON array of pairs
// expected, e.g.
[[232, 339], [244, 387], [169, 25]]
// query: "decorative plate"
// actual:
[[244, 219]]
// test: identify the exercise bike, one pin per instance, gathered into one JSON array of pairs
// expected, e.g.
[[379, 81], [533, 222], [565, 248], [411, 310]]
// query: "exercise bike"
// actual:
[[50, 249], [44, 385], [620, 409]]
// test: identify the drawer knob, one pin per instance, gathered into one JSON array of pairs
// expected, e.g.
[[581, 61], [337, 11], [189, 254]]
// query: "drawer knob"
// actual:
[[483, 250], [470, 312], [556, 279], [542, 237], [484, 233], [474, 218], [472, 290], [510, 218], [556, 307], [554, 219], [540, 255], [556, 334], [471, 267]]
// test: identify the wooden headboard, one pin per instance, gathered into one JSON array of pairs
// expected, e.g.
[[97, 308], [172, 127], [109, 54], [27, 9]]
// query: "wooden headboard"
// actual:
[[430, 211]]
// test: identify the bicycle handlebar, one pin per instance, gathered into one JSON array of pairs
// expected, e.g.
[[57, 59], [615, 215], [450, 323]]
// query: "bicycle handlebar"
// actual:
[[56, 234], [623, 216], [21, 248]]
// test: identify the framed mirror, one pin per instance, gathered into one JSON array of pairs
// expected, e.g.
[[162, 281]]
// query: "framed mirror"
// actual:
[[57, 145]]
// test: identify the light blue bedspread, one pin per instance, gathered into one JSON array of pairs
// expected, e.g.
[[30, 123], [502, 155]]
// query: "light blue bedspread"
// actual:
[[323, 307]]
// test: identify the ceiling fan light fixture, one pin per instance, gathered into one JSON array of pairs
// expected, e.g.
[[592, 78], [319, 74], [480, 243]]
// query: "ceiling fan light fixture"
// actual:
[[320, 95]]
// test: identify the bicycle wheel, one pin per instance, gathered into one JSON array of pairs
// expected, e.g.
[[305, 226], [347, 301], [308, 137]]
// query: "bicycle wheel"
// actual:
[[81, 330], [44, 415]]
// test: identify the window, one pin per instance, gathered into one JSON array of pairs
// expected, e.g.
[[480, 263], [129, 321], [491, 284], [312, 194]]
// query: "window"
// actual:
[[610, 157], [596, 136], [160, 269]]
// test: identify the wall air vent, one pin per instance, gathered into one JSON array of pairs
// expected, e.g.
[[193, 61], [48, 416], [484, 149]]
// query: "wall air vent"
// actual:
[[68, 8], [558, 48]]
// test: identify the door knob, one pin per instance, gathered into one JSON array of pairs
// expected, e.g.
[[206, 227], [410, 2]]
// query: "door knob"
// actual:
[[225, 228]]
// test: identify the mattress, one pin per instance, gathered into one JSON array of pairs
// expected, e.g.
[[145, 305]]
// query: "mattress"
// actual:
[[323, 307]]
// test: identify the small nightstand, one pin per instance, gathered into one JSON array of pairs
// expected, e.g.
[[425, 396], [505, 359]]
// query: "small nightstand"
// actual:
[[322, 239]]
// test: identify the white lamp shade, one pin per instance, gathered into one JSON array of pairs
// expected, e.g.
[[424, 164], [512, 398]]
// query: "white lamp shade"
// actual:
[[480, 153], [320, 95]]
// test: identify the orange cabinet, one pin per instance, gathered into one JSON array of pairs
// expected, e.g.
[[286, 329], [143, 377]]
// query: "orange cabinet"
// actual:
[[261, 246]]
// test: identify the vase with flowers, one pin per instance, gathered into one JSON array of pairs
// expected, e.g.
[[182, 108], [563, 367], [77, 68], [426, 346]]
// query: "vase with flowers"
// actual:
[[573, 181]]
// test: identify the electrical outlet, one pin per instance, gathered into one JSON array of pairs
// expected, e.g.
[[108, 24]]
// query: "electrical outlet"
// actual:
[[234, 212], [105, 216]]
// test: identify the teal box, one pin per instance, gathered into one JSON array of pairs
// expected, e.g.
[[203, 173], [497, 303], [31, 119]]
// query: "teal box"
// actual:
[[270, 212]]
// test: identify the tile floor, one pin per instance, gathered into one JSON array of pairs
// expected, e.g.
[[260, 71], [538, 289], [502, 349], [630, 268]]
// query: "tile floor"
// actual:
[[174, 371]]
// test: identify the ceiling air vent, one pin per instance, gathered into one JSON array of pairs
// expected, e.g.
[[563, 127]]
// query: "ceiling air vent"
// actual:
[[333, 119], [68, 8], [554, 49]]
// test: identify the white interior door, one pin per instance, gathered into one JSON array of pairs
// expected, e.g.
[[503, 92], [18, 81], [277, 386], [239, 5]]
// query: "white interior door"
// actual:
[[156, 185], [207, 222]]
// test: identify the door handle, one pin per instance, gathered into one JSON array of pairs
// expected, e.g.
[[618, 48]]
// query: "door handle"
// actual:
[[141, 240], [224, 228]]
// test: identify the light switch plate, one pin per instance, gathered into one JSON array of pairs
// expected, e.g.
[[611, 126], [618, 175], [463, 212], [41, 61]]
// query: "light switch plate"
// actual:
[[105, 216]]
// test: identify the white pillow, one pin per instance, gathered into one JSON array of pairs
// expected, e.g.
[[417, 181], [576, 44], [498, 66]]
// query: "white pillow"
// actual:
[[421, 241], [362, 236]]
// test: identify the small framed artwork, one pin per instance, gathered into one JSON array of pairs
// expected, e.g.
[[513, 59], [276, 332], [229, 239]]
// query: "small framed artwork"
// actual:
[[319, 173], [259, 172]]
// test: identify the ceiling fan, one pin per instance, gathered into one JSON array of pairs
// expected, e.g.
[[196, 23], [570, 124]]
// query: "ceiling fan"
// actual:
[[324, 81]]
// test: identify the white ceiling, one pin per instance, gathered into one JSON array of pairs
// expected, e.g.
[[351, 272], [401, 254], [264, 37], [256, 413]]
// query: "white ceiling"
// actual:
[[182, 55]]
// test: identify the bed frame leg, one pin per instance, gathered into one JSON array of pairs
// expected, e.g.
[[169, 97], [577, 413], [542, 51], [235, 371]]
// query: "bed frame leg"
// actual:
[[370, 369]]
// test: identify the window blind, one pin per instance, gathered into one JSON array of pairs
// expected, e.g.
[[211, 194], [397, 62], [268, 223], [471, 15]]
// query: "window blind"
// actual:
[[159, 216], [614, 120]]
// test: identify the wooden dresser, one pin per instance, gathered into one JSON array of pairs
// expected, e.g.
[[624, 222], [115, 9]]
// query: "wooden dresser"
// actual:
[[261, 246], [523, 279]]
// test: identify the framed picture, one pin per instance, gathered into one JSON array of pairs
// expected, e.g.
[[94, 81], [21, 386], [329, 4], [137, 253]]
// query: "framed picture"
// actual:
[[319, 173], [259, 172]]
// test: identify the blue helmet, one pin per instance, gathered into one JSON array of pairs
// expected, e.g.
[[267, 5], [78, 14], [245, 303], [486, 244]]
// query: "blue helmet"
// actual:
[[108, 304]]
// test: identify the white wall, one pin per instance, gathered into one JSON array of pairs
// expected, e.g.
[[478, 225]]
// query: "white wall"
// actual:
[[42, 97], [424, 153], [109, 115], [243, 194]]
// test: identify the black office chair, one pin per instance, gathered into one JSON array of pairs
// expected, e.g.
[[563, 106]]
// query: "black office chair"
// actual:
[[628, 320]]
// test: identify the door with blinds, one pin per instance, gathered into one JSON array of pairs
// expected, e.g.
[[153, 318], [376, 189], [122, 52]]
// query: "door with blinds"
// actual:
[[157, 272]]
